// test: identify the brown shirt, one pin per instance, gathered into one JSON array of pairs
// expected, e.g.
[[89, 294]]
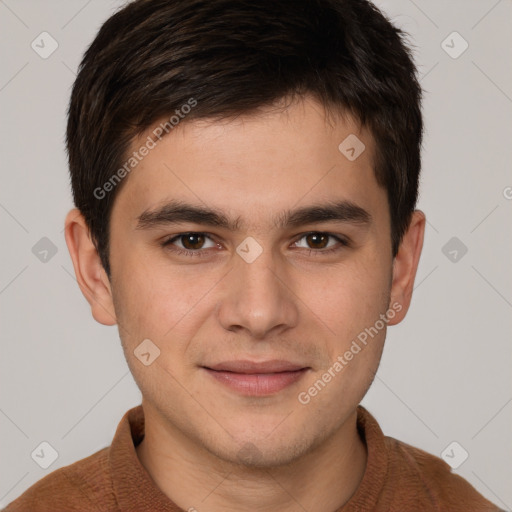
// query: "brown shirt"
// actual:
[[398, 477]]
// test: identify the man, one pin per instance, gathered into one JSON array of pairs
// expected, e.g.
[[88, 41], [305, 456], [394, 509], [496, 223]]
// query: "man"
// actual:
[[245, 176]]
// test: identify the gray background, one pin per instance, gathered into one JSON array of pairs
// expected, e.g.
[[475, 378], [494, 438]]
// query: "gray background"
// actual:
[[445, 373]]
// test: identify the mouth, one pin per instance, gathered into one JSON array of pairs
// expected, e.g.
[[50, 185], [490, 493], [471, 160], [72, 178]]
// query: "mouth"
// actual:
[[252, 378]]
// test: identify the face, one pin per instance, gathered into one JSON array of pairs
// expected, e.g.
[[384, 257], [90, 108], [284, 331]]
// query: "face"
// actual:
[[267, 313]]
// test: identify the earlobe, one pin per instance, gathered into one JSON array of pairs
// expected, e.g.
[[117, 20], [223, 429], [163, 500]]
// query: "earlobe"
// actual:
[[90, 274], [405, 265]]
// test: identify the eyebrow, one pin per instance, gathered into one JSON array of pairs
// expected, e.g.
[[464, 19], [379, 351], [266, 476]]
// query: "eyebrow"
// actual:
[[178, 212]]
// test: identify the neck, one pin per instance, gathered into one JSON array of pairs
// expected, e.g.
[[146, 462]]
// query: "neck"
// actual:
[[322, 480]]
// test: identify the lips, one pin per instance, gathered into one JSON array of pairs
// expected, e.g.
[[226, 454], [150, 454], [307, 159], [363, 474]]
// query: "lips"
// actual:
[[252, 367], [252, 378]]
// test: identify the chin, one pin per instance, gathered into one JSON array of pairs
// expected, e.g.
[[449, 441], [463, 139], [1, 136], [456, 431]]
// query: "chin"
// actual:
[[262, 453]]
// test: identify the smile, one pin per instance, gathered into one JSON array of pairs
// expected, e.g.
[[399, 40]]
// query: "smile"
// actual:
[[257, 379]]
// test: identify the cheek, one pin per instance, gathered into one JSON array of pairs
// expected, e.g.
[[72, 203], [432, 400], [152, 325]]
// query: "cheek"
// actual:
[[360, 297], [350, 299], [153, 300]]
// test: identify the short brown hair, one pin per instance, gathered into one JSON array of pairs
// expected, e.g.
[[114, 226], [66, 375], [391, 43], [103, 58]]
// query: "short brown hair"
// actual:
[[235, 57]]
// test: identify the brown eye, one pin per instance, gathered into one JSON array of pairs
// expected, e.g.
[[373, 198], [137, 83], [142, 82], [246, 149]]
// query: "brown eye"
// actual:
[[317, 240], [319, 243], [192, 241], [190, 244]]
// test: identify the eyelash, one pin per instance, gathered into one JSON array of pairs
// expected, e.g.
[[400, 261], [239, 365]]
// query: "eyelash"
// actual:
[[202, 252]]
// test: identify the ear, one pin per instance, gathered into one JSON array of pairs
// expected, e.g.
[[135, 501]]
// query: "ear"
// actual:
[[405, 265], [90, 274]]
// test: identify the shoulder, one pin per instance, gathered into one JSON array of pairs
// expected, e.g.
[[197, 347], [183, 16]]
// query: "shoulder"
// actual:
[[83, 485], [418, 472]]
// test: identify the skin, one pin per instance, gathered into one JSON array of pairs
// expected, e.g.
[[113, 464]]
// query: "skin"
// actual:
[[287, 304]]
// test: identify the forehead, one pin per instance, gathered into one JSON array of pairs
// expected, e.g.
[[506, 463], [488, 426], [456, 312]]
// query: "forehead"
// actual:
[[256, 165]]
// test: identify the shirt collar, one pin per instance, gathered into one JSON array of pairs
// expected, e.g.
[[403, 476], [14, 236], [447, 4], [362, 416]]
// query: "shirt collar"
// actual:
[[133, 486], [136, 491]]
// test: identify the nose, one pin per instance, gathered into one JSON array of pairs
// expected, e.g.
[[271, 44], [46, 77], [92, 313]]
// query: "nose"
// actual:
[[258, 298]]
